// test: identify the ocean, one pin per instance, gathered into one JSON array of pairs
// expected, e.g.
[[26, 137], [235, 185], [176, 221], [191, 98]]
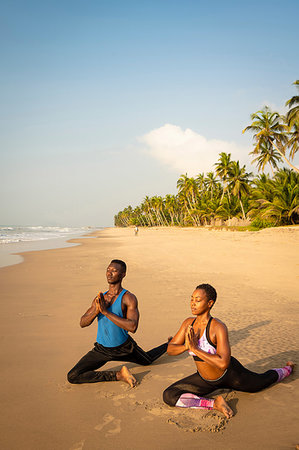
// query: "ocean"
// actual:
[[16, 239]]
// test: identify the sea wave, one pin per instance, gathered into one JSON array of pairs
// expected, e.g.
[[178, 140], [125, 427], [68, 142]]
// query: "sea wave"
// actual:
[[11, 234]]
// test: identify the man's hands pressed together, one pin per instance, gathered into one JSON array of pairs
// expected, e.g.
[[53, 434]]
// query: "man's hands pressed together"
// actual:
[[100, 304]]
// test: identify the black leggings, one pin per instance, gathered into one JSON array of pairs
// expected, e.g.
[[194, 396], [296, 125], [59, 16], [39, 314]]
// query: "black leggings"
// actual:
[[236, 377], [85, 370]]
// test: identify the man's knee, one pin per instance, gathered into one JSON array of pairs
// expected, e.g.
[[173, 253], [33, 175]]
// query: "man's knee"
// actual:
[[169, 397], [145, 362], [72, 377]]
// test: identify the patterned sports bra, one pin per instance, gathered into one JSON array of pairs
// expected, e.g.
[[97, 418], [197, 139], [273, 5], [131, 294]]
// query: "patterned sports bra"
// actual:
[[204, 343]]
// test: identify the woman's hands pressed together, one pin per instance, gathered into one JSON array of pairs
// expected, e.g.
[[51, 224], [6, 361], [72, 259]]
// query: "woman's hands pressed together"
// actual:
[[191, 339]]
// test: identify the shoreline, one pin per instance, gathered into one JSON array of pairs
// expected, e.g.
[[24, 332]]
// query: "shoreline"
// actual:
[[43, 299], [11, 253]]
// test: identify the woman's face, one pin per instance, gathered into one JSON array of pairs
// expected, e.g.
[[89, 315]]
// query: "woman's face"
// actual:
[[199, 302]]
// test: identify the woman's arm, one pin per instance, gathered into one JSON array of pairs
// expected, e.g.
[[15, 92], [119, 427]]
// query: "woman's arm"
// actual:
[[177, 344], [221, 359]]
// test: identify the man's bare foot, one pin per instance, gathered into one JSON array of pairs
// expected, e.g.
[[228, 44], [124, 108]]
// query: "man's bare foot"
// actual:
[[125, 375], [291, 364], [221, 405]]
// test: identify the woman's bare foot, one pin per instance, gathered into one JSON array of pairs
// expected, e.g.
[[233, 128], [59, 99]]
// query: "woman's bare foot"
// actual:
[[291, 364], [221, 405], [125, 375]]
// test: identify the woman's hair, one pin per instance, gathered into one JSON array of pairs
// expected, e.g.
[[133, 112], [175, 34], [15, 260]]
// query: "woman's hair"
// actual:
[[209, 290]]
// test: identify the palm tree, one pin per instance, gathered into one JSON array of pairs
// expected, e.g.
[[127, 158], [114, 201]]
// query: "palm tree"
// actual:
[[146, 207], [230, 207], [158, 204], [188, 195], [140, 220], [210, 183], [283, 207], [222, 168], [267, 155], [200, 181], [293, 142], [188, 187], [269, 132], [293, 104], [239, 182], [263, 187], [171, 206]]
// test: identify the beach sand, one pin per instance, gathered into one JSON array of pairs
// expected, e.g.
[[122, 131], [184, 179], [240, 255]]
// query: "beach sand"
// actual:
[[43, 298]]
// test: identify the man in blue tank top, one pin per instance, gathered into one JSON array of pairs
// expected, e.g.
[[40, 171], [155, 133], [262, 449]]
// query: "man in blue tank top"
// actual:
[[117, 314]]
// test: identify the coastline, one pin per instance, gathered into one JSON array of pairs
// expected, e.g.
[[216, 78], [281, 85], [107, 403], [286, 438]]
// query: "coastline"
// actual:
[[43, 299], [11, 253]]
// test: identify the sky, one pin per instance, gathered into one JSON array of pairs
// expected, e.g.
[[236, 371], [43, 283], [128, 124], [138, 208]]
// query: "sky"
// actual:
[[103, 103]]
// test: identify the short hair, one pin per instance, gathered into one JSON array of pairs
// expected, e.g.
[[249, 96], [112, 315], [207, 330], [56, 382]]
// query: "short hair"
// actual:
[[121, 263], [209, 290]]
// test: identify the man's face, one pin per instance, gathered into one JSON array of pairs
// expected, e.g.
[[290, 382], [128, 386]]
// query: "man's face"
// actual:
[[114, 273]]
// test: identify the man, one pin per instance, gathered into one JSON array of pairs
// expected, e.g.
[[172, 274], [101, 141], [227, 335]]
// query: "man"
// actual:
[[117, 314]]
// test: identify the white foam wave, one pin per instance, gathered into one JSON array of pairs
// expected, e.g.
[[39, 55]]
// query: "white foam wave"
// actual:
[[10, 235]]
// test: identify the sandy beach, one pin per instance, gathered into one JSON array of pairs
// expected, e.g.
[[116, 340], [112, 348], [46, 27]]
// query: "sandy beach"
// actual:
[[43, 298]]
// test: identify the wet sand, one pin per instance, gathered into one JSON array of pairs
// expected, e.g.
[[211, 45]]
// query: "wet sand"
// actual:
[[42, 299]]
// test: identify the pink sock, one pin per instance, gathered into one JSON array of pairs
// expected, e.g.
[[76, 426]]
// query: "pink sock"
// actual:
[[193, 401], [283, 372]]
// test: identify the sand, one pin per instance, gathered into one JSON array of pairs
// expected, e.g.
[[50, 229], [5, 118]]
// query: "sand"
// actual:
[[42, 299]]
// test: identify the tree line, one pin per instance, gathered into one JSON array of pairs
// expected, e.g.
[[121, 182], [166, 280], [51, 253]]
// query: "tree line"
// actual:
[[230, 191]]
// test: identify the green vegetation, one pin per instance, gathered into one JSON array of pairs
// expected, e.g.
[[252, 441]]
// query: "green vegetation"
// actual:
[[232, 192]]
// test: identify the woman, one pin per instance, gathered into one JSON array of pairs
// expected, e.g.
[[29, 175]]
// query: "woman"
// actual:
[[206, 339]]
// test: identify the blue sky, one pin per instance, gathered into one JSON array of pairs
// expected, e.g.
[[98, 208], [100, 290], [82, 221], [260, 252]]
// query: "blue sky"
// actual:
[[93, 92]]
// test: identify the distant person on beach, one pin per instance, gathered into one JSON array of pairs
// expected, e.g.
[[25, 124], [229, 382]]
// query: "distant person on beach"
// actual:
[[117, 313], [136, 230], [206, 339]]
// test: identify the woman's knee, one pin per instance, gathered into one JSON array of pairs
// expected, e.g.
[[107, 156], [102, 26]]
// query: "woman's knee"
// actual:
[[170, 396]]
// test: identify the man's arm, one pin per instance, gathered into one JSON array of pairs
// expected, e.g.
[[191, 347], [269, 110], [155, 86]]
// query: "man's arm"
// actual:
[[91, 313], [131, 319]]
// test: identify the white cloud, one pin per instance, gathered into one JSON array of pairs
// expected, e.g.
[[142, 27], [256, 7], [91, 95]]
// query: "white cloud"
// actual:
[[187, 151]]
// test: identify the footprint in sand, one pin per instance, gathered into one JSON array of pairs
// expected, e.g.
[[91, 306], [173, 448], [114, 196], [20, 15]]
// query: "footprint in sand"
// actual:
[[104, 394], [132, 395], [115, 430], [116, 399], [108, 418], [78, 445], [147, 419]]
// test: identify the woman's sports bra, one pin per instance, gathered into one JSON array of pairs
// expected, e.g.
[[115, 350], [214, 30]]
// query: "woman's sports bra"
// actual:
[[204, 343]]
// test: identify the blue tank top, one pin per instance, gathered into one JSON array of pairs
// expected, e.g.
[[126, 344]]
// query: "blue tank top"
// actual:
[[109, 334]]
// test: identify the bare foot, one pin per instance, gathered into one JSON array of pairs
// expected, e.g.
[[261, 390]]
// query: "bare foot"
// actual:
[[291, 364], [125, 375], [221, 405]]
